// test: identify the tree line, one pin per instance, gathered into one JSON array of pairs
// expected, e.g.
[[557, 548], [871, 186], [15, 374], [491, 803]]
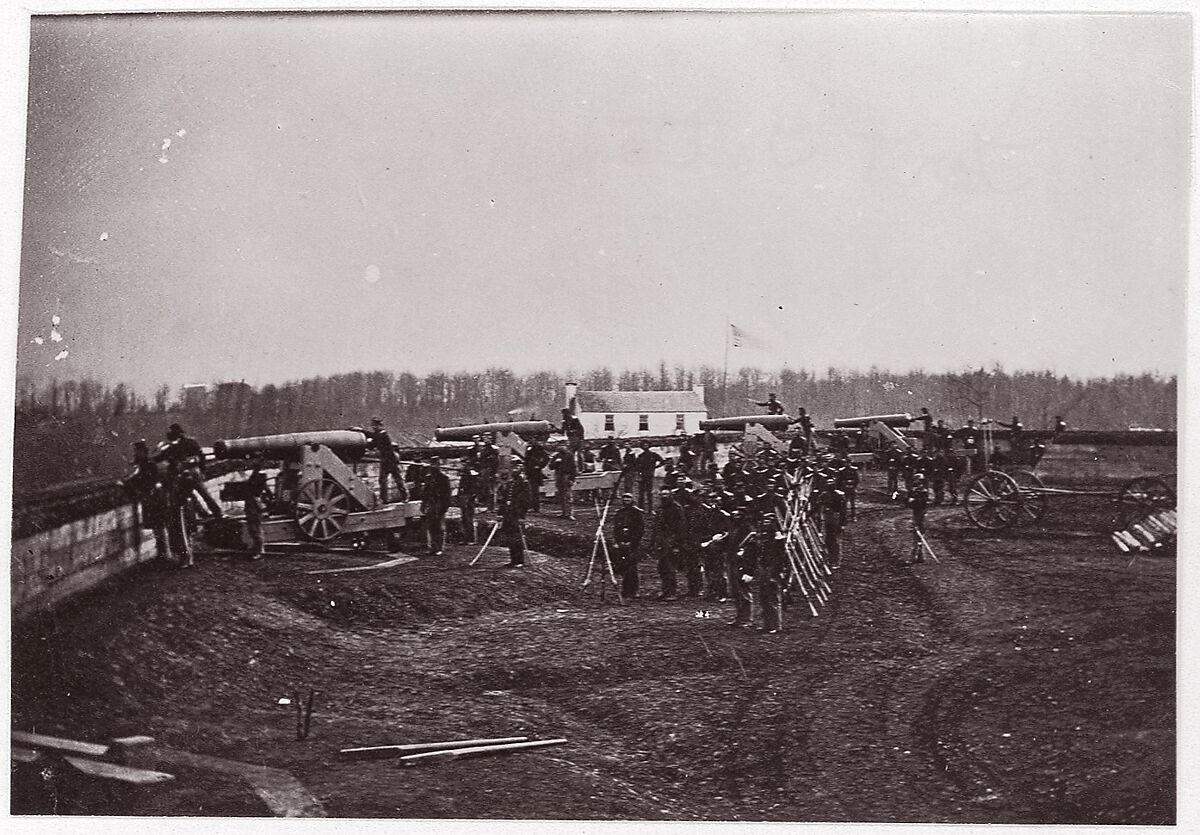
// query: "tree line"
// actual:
[[89, 425]]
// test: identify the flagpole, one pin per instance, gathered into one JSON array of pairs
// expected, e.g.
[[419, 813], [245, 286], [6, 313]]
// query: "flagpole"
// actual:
[[725, 374]]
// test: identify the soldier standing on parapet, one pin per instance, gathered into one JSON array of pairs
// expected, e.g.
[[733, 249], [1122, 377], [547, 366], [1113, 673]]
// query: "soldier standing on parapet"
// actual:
[[806, 429], [572, 427], [389, 462], [187, 465], [772, 405], [628, 529], [511, 504]]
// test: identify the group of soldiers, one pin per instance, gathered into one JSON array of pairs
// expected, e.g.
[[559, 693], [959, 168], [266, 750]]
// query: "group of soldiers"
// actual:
[[168, 483], [726, 530]]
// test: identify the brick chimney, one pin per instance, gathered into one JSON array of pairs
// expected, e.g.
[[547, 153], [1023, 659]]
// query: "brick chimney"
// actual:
[[571, 390]]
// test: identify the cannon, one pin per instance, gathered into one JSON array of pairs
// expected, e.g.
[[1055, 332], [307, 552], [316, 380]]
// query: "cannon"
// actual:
[[774, 423], [865, 421], [318, 496], [527, 429]]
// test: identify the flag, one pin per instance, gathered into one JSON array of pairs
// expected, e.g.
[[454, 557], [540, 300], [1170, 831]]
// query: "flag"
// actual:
[[740, 338]]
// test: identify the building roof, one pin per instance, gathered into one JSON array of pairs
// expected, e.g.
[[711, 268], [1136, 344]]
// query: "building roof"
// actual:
[[640, 402]]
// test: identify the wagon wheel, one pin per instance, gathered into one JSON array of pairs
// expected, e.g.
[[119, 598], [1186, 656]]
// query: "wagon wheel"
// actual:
[[1142, 496], [993, 501], [1033, 501], [321, 510]]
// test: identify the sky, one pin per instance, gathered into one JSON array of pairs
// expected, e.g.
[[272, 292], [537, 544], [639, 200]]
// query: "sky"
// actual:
[[268, 197]]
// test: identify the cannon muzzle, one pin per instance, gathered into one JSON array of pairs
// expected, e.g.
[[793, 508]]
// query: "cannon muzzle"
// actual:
[[524, 428], [287, 446], [867, 420], [776, 423]]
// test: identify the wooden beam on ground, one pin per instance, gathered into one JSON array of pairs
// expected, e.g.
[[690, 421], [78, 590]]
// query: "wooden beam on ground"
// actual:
[[54, 743], [381, 752], [479, 751], [112, 771]]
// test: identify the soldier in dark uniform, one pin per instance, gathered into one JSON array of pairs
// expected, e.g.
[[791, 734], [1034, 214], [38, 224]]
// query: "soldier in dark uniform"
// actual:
[[833, 517], [389, 462], [939, 472], [973, 446], [847, 481], [1060, 426], [687, 457], [468, 485], [956, 465], [628, 529], [186, 459], [572, 427], [628, 470], [145, 485], [926, 420], [536, 460], [708, 449], [489, 469], [563, 465], [511, 504], [257, 493], [610, 457], [806, 427], [669, 535], [799, 445], [714, 530], [773, 406], [741, 566], [646, 463], [918, 502], [770, 571], [435, 502]]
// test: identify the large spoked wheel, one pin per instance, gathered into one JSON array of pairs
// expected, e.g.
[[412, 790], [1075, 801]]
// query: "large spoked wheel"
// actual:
[[322, 508], [993, 501], [1143, 496], [1033, 501]]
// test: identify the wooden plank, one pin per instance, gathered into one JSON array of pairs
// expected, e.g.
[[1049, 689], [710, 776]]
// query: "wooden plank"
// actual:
[[112, 771], [479, 751], [55, 743], [378, 752]]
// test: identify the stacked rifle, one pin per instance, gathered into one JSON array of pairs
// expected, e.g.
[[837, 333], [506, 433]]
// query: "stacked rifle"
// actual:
[[808, 559]]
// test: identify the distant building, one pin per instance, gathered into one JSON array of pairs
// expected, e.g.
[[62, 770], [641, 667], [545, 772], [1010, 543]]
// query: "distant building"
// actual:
[[628, 414], [195, 397]]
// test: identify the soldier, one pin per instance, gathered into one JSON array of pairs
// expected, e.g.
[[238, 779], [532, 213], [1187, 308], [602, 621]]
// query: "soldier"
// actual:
[[739, 561], [628, 470], [186, 459], [256, 493], [798, 446], [714, 530], [939, 472], [646, 463], [687, 457], [536, 460], [145, 485], [628, 528], [972, 445], [773, 406], [770, 572], [572, 427], [833, 516], [918, 501], [563, 465], [435, 501], [893, 461], [1060, 426], [610, 457], [956, 465], [389, 462], [669, 532], [708, 449], [926, 420], [847, 481], [468, 485], [806, 427], [511, 504], [689, 551], [489, 468]]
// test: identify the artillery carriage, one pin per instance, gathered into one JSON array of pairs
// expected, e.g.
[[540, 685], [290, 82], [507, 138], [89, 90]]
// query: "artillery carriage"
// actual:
[[317, 496]]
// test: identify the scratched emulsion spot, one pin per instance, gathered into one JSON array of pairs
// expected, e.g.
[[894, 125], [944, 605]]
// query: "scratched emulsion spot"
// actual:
[[104, 236], [181, 133], [371, 274], [55, 336], [62, 355], [37, 340]]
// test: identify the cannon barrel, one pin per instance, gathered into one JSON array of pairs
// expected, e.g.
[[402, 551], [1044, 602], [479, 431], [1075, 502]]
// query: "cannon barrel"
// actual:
[[524, 428], [867, 420], [773, 422], [288, 445]]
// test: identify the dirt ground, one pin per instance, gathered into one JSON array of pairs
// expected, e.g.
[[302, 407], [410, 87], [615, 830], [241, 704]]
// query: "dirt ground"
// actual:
[[1028, 677]]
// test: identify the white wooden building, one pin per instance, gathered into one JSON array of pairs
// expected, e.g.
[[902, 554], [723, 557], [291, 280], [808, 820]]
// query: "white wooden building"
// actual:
[[628, 414]]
